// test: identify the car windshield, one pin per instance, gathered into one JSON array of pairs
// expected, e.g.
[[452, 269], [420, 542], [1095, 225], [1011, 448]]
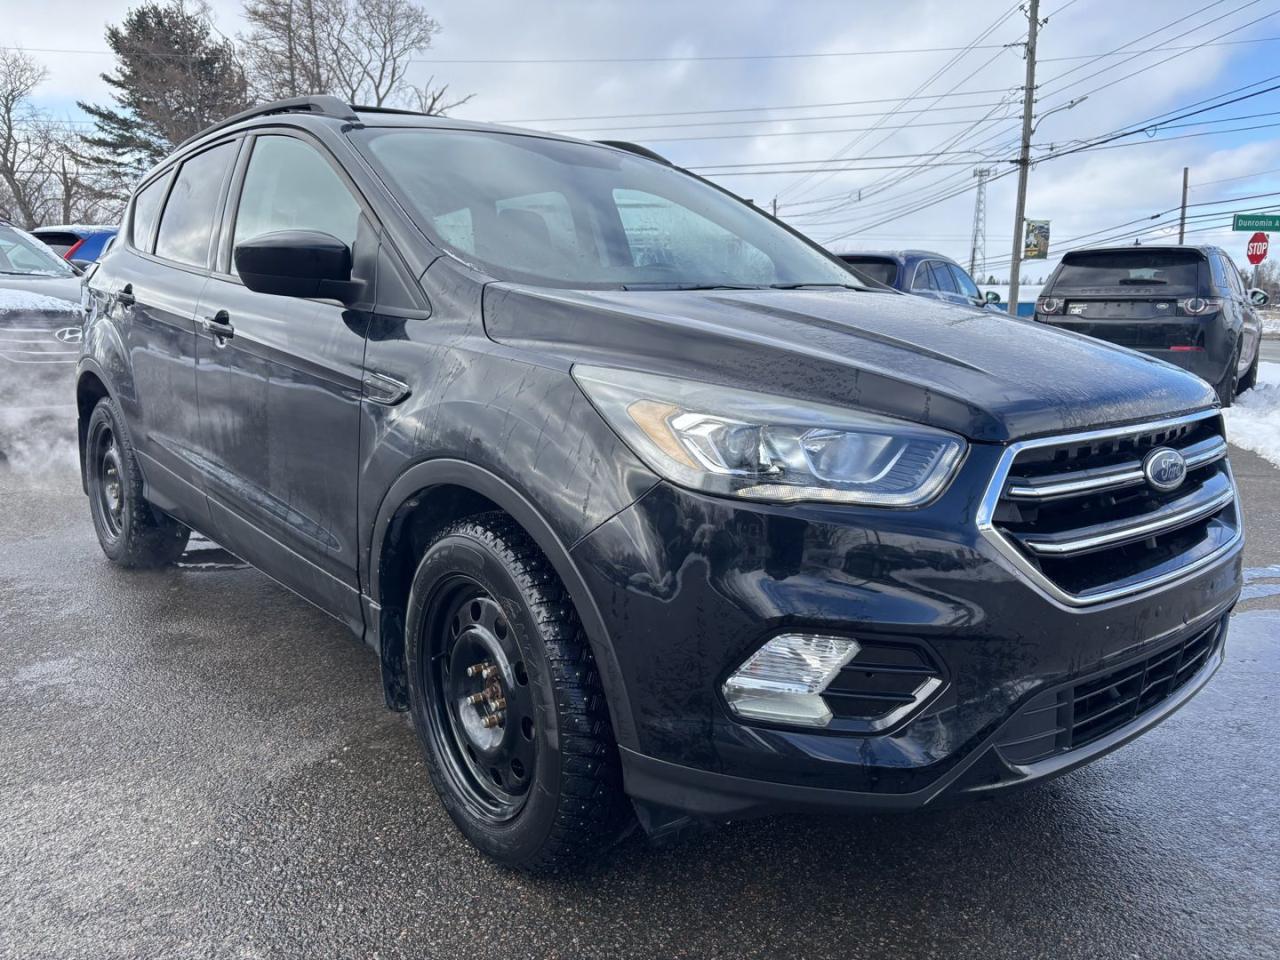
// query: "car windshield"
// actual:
[[877, 268], [23, 255], [1172, 271], [566, 214]]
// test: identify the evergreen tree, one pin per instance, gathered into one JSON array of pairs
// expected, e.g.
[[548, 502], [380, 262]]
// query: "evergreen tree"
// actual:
[[174, 76]]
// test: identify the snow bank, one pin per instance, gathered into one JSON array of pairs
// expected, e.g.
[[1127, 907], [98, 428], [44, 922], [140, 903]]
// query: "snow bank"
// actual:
[[24, 300], [1253, 422], [1271, 324]]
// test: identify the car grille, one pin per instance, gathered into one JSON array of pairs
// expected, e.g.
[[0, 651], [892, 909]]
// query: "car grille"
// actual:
[[880, 686], [1078, 515], [1088, 709]]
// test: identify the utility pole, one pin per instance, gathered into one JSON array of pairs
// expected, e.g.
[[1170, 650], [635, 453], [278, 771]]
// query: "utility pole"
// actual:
[[978, 243], [1182, 217], [775, 206], [1024, 153]]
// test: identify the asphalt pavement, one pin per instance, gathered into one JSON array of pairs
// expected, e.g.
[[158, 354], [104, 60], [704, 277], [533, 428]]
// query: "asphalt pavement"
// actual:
[[195, 763]]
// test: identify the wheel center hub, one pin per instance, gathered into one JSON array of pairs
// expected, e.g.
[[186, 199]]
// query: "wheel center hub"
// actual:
[[483, 713]]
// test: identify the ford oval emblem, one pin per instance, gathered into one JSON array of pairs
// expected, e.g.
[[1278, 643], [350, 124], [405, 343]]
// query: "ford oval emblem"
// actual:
[[1165, 469]]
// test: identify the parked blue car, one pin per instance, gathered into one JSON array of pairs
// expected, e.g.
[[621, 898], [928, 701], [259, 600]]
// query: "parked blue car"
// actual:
[[81, 244], [922, 273]]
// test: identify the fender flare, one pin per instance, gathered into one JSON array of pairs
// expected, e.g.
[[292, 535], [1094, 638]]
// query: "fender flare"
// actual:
[[439, 472]]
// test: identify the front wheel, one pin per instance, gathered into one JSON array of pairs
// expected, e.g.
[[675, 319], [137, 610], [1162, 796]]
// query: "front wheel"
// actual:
[[507, 702], [131, 531]]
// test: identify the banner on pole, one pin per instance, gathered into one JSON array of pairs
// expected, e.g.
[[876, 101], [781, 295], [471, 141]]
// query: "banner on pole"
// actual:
[[1036, 244]]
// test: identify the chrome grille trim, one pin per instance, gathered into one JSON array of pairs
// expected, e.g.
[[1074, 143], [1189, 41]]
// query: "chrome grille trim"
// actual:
[[1114, 534], [1010, 552], [1124, 475]]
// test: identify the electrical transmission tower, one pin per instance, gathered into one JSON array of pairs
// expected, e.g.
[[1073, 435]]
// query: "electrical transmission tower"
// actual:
[[978, 245]]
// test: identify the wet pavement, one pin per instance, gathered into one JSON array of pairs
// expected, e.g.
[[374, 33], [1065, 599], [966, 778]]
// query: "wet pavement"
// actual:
[[195, 763]]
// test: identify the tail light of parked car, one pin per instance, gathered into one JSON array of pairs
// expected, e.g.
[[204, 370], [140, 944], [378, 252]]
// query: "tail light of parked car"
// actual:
[[1048, 305], [1199, 306]]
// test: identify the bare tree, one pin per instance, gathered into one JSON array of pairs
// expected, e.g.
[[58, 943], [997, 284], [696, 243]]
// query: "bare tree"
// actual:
[[42, 177], [434, 101], [22, 152], [359, 50]]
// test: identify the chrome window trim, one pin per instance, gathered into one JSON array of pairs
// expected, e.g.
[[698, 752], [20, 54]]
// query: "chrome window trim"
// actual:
[[1010, 552]]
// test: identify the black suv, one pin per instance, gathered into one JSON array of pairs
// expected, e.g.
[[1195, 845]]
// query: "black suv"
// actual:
[[646, 508], [1185, 305]]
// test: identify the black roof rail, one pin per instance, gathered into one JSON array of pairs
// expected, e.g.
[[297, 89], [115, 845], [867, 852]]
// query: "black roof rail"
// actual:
[[360, 108], [315, 103], [635, 148]]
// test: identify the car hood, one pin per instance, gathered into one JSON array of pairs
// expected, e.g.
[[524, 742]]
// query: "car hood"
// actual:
[[60, 288], [986, 376]]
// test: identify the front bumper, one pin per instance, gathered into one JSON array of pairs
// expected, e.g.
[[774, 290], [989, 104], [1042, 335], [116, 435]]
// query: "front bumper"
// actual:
[[689, 585]]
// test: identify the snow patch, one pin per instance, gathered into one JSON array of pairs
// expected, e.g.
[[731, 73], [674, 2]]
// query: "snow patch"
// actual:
[[1253, 422], [1271, 325], [36, 302]]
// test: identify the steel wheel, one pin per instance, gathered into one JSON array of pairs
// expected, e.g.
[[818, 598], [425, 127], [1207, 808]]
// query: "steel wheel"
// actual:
[[108, 500], [482, 717]]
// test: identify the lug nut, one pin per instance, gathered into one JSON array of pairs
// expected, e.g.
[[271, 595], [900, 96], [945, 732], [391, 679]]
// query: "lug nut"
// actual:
[[497, 704], [490, 672], [476, 669], [491, 721], [476, 699]]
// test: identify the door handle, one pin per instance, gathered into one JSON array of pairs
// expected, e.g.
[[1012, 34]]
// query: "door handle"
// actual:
[[125, 296], [219, 327]]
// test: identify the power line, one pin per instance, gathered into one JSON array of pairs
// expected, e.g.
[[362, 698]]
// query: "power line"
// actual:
[[724, 123], [807, 181], [793, 106]]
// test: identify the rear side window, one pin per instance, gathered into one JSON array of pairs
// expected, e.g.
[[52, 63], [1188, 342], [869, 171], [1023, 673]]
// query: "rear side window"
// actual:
[[882, 271], [187, 222], [146, 210], [942, 278], [1171, 271], [290, 186]]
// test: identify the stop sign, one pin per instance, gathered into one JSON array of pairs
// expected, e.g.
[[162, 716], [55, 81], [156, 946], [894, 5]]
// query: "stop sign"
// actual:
[[1257, 249]]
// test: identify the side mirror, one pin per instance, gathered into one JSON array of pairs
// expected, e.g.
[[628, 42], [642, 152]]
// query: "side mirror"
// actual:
[[991, 297], [298, 263], [1259, 298]]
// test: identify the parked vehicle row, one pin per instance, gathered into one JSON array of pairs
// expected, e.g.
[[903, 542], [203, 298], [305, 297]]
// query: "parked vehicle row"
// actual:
[[1185, 305], [649, 506], [923, 273], [79, 243]]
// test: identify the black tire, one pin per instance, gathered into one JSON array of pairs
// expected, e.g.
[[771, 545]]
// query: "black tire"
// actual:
[[540, 790], [1250, 378], [131, 531], [1226, 387]]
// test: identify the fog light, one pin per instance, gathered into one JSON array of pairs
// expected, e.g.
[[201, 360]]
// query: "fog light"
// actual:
[[782, 682]]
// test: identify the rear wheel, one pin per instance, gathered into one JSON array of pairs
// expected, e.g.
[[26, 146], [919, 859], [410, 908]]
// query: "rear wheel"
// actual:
[[1226, 387], [1250, 378], [507, 702], [131, 531]]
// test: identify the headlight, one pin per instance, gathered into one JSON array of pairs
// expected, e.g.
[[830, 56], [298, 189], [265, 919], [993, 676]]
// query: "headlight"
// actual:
[[760, 447]]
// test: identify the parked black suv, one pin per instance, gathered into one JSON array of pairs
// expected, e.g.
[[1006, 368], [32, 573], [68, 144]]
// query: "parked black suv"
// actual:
[[642, 503], [1185, 305]]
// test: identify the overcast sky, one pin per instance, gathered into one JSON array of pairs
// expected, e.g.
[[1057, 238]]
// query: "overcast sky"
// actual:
[[1080, 194]]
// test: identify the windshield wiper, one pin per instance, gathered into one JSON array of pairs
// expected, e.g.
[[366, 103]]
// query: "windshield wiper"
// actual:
[[692, 286], [802, 286]]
